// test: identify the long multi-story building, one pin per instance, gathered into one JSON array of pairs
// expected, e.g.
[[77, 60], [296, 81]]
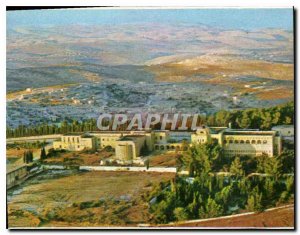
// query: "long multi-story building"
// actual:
[[128, 144], [241, 142]]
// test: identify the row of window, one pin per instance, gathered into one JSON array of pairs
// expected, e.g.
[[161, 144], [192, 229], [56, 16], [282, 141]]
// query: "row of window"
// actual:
[[245, 142], [71, 139], [112, 139], [160, 137], [167, 147], [78, 146]]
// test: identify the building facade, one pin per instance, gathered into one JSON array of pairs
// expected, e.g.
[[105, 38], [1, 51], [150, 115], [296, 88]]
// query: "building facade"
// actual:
[[128, 144], [241, 142], [75, 142]]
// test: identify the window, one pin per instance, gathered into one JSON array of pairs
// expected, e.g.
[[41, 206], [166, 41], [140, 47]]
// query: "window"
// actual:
[[225, 141], [77, 139], [242, 141], [259, 142], [160, 137], [230, 141], [236, 141], [247, 142], [265, 142], [253, 142], [78, 146]]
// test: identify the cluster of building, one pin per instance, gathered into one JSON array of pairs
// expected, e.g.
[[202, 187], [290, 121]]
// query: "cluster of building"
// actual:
[[129, 145]]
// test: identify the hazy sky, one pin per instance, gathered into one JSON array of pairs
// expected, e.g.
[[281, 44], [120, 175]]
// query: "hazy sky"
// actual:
[[247, 19]]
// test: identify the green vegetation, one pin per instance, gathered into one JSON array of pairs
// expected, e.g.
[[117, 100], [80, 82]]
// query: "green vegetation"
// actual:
[[261, 118], [207, 196], [28, 157], [47, 129], [209, 158], [257, 118], [26, 145], [43, 154]]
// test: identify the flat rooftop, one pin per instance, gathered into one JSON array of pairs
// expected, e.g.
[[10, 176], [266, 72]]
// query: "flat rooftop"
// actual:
[[246, 132], [130, 137], [74, 134]]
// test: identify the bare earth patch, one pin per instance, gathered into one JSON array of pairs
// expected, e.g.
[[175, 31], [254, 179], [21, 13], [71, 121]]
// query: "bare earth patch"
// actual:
[[276, 218], [56, 202]]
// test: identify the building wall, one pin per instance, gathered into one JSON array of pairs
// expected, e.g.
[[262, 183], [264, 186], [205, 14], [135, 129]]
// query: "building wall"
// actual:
[[161, 137], [75, 143], [253, 145], [234, 142], [125, 150], [12, 177], [106, 139], [285, 130], [128, 150], [201, 136], [169, 147]]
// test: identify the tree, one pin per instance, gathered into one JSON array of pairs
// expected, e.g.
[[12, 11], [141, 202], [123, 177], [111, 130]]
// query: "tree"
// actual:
[[223, 196], [144, 149], [269, 188], [273, 166], [147, 163], [197, 159], [180, 214], [244, 121], [261, 162], [27, 156], [287, 159], [236, 167], [43, 154], [223, 118], [254, 201], [193, 207], [212, 208], [290, 184]]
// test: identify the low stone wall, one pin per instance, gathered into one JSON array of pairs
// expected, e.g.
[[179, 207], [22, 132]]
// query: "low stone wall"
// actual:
[[40, 138], [133, 168], [53, 167]]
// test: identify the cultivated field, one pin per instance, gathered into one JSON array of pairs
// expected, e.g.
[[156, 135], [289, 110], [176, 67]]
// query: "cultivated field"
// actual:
[[83, 199]]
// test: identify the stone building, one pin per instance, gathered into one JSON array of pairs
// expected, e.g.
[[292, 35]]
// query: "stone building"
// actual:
[[286, 131], [75, 142], [241, 142], [129, 147], [128, 144]]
